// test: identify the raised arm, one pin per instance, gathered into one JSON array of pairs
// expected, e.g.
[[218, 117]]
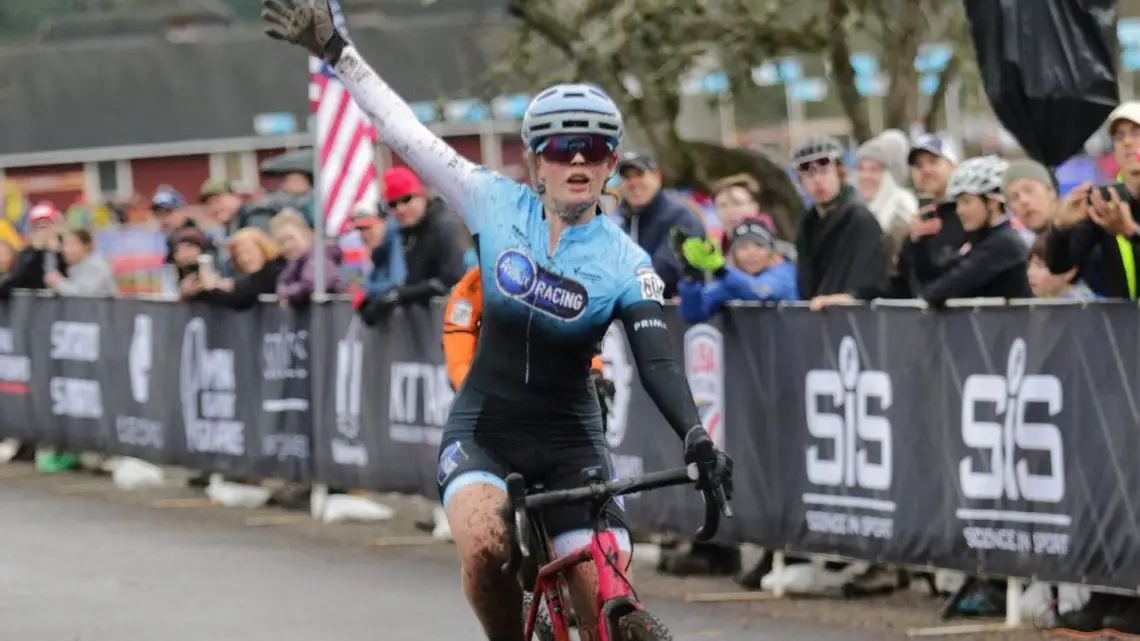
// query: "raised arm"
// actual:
[[452, 175], [313, 25]]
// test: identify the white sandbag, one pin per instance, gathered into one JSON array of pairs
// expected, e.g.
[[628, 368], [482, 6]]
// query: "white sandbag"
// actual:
[[948, 581], [344, 508], [230, 494], [808, 579], [9, 447], [132, 474], [1037, 598], [442, 529], [646, 554]]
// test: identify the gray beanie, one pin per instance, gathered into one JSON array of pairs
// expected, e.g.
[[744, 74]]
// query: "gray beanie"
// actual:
[[889, 149], [1030, 169]]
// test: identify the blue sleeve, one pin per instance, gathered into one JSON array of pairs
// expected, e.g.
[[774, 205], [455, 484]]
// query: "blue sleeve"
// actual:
[[388, 267], [775, 284], [493, 195], [700, 301], [397, 266]]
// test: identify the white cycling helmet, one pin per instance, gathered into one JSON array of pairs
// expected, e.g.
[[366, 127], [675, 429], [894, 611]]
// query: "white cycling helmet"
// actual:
[[978, 176], [817, 148], [571, 109]]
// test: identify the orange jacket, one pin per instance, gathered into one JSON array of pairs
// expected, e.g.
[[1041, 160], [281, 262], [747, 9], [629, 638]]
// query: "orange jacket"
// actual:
[[461, 327]]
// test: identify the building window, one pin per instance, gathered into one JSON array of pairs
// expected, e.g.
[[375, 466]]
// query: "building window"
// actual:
[[239, 168], [235, 172], [108, 177]]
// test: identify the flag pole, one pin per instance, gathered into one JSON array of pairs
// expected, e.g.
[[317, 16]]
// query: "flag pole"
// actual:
[[318, 218]]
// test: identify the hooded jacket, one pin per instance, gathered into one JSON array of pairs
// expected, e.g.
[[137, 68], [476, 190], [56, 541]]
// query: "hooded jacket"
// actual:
[[841, 252], [433, 251]]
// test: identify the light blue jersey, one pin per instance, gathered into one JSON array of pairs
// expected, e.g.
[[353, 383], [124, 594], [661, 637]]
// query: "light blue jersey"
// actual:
[[545, 312]]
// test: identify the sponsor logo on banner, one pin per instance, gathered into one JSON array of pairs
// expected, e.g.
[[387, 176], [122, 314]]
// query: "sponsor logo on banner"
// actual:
[[15, 370], [346, 446], [520, 278], [419, 403], [1020, 463], [286, 357], [133, 430], [852, 456], [619, 369], [704, 367], [208, 388], [75, 397]]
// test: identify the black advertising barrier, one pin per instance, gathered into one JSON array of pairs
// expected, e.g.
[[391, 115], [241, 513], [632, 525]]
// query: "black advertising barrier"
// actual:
[[1000, 440], [382, 399], [284, 426]]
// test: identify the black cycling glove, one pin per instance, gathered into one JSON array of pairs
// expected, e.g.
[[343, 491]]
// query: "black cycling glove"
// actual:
[[715, 466]]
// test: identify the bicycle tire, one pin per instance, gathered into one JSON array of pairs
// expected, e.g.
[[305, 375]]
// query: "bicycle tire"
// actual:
[[543, 630], [640, 625]]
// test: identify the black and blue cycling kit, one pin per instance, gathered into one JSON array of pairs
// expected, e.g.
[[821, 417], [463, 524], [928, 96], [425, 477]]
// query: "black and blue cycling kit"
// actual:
[[528, 404]]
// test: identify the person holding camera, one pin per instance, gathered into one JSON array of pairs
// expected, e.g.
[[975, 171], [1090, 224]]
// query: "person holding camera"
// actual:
[[88, 274], [936, 233], [41, 255], [1096, 230]]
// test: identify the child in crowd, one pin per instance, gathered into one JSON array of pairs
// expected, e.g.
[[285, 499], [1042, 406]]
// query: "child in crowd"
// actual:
[[760, 272]]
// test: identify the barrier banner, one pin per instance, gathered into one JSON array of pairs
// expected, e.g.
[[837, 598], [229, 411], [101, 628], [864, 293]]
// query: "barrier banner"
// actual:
[[140, 380], [996, 440], [384, 401], [16, 369], [284, 424]]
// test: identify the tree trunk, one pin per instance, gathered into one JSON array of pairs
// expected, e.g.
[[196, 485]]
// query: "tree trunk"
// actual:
[[938, 99], [900, 54], [839, 55]]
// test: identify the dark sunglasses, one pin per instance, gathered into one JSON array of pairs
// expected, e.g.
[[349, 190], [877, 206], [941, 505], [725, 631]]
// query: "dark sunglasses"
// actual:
[[594, 150], [813, 166], [392, 204]]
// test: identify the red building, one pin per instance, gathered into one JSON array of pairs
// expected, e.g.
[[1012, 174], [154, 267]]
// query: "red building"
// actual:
[[62, 177]]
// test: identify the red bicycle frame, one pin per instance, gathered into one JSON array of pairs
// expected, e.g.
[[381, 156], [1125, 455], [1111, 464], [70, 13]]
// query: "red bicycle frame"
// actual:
[[613, 591]]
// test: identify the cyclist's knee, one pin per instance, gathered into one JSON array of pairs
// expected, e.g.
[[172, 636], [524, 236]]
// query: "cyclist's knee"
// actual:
[[474, 514]]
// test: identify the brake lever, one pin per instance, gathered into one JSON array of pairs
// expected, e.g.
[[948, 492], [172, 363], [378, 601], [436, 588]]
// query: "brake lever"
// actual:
[[722, 502], [516, 503]]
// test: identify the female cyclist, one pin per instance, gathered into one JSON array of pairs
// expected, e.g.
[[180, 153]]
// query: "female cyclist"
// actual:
[[554, 276]]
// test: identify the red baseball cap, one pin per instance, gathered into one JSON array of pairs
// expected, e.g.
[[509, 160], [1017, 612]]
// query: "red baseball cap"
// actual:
[[43, 212], [401, 182]]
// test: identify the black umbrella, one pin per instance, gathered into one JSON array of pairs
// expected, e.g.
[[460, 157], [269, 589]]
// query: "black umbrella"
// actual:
[[290, 162], [1049, 69]]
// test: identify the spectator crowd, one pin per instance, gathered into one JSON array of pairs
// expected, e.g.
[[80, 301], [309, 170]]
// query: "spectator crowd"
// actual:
[[909, 219]]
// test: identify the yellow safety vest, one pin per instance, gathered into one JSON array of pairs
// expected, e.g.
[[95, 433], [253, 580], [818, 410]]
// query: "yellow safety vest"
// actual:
[[1127, 258]]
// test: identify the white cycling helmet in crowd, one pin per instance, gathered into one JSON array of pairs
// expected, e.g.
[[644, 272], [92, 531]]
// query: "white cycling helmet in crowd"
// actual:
[[572, 109], [817, 148], [979, 177]]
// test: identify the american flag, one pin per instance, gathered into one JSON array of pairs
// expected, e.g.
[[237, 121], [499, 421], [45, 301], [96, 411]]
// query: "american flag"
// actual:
[[346, 142]]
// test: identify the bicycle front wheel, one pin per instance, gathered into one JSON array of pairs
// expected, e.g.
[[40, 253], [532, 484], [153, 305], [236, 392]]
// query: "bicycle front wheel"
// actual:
[[640, 625]]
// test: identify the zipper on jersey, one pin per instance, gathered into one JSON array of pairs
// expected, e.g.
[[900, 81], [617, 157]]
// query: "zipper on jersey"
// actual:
[[529, 319]]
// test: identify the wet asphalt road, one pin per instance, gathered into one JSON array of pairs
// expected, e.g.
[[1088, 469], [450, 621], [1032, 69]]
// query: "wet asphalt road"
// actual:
[[76, 569]]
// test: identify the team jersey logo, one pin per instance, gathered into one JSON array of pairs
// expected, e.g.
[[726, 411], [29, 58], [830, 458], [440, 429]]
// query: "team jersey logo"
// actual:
[[520, 278]]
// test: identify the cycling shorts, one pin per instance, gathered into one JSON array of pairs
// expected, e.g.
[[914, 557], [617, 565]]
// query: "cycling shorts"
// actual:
[[484, 442]]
